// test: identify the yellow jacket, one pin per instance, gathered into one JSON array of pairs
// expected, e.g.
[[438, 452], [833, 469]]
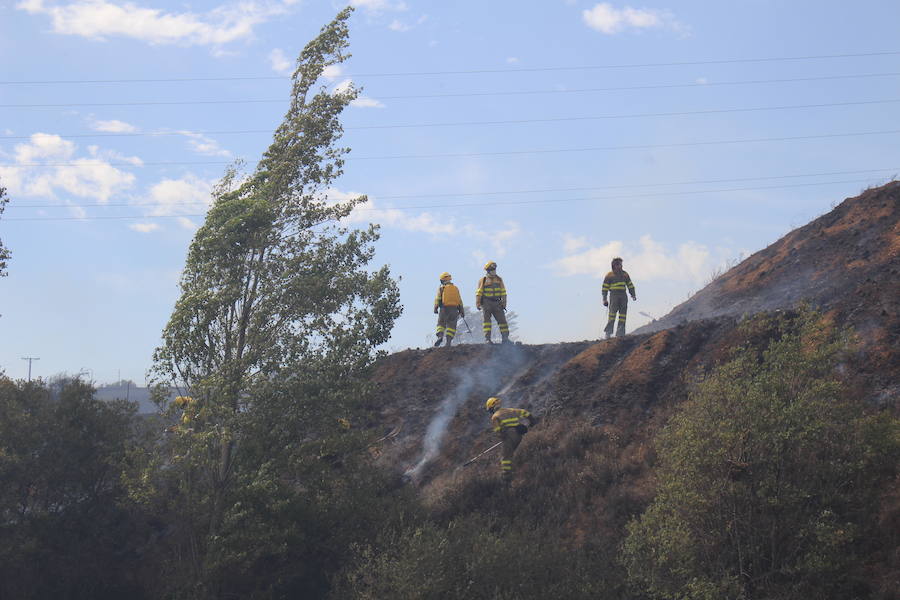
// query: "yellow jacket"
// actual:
[[490, 286], [509, 417], [617, 282]]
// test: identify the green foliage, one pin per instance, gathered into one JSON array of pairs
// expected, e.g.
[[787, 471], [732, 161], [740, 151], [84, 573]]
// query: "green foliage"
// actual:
[[768, 476], [63, 520], [278, 320], [477, 556]]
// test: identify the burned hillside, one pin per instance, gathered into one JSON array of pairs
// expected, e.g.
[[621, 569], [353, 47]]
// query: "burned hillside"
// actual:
[[845, 263], [589, 466]]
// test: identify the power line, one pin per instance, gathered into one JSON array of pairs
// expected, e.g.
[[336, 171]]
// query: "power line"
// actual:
[[472, 71], [499, 122], [479, 204], [521, 152], [463, 94], [498, 192]]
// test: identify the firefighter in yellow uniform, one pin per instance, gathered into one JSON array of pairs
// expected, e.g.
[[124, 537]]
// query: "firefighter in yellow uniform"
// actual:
[[511, 424], [448, 307], [617, 284], [490, 298]]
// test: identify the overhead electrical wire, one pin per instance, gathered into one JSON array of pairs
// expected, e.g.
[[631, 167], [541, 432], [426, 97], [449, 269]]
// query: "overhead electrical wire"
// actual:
[[472, 71], [498, 122], [516, 152], [463, 94], [20, 204], [478, 204]]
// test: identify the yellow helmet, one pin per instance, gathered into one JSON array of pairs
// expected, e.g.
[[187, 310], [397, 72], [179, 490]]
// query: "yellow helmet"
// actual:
[[493, 403], [445, 276], [490, 265]]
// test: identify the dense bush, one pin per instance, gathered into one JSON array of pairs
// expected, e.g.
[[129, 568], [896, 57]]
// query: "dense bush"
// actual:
[[477, 556], [769, 476], [67, 530]]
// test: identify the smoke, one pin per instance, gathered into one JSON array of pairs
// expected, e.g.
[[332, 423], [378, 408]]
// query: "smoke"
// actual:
[[482, 375], [437, 428]]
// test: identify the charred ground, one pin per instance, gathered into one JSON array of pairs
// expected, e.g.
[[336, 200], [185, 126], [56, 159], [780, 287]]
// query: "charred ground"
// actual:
[[606, 400]]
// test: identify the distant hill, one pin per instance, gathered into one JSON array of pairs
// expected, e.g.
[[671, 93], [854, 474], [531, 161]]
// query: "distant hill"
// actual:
[[141, 395]]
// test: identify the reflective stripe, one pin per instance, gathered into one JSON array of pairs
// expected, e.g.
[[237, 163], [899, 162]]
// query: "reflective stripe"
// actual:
[[513, 420], [440, 329], [504, 327]]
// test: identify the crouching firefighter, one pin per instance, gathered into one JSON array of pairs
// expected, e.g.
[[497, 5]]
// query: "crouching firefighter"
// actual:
[[511, 424], [448, 307]]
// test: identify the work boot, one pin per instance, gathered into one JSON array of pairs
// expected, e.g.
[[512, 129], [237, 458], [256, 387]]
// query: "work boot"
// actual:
[[505, 340], [606, 335], [488, 341], [449, 341], [439, 340]]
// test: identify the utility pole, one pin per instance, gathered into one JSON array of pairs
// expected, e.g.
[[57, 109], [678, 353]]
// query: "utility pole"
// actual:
[[30, 359]]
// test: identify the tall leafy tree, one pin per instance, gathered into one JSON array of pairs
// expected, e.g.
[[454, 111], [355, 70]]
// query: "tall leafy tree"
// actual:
[[769, 477], [278, 318]]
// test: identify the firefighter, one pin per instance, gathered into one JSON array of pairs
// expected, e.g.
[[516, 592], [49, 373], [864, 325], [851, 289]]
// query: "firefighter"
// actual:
[[511, 424], [490, 298], [448, 306], [617, 284]]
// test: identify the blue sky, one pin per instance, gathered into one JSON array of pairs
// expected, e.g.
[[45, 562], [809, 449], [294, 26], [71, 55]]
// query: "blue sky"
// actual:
[[547, 136]]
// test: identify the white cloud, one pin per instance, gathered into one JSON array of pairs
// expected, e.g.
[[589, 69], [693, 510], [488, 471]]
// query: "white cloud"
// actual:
[[572, 244], [113, 126], [36, 171], [512, 60], [606, 18], [183, 197], [398, 25], [378, 6], [279, 61], [366, 102], [651, 259], [201, 144], [425, 222], [97, 19], [359, 101], [332, 72], [144, 227], [392, 217]]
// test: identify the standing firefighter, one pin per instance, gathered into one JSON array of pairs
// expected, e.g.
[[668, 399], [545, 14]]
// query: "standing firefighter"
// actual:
[[448, 306], [617, 284], [510, 423], [490, 298]]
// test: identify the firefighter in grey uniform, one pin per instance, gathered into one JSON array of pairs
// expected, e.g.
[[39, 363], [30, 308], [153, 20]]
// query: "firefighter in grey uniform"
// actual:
[[617, 284], [490, 298]]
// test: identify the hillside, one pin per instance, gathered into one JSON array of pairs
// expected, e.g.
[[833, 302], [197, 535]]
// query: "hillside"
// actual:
[[846, 263], [589, 464]]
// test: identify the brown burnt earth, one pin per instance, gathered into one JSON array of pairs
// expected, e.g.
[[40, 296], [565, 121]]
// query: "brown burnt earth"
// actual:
[[601, 402]]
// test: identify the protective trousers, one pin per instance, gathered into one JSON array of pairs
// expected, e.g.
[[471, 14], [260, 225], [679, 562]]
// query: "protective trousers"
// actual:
[[492, 308], [511, 437], [618, 303], [446, 325]]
